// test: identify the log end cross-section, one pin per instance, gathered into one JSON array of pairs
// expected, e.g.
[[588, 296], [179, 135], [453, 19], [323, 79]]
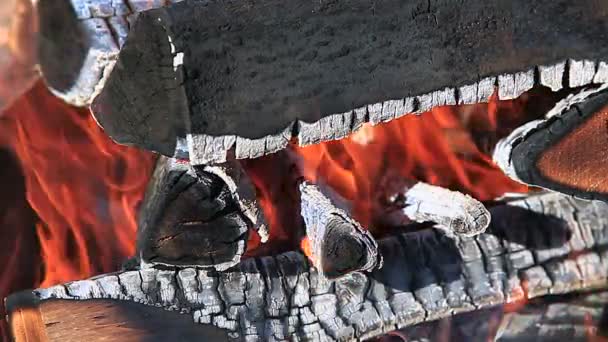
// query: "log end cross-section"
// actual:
[[190, 219], [338, 243]]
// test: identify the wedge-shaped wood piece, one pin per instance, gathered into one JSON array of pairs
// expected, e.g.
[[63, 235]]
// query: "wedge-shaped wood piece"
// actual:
[[226, 71], [567, 152], [190, 218]]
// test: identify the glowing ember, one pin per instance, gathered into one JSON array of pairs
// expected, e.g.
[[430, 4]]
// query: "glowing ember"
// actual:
[[84, 188], [305, 247]]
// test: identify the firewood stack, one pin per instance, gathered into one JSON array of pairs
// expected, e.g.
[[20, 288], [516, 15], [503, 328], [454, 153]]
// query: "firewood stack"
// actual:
[[208, 83]]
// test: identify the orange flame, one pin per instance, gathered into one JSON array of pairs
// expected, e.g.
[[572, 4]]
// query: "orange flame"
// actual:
[[84, 187], [307, 249], [436, 147]]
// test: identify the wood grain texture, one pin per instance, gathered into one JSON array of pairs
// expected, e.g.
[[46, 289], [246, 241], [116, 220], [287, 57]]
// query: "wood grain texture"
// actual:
[[103, 320], [190, 218], [228, 70], [548, 244], [338, 244]]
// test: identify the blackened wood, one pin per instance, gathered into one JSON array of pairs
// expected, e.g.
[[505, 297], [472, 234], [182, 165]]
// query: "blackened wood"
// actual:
[[571, 317], [190, 218], [282, 297], [338, 243], [79, 42], [566, 152], [243, 192], [224, 70]]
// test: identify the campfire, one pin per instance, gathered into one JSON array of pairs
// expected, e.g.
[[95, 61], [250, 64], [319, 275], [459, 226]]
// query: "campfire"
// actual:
[[307, 171]]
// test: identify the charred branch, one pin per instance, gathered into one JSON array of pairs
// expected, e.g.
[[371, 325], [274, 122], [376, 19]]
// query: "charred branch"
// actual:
[[220, 76], [566, 152], [453, 211], [338, 243], [190, 218], [547, 244]]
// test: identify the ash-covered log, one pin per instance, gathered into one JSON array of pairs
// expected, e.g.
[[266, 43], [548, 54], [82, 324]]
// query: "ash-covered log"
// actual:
[[195, 217], [565, 152], [338, 243], [548, 244], [453, 211], [226, 75], [571, 317]]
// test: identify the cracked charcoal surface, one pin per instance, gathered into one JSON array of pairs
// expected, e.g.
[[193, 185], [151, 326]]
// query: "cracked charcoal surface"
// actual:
[[282, 297], [253, 70]]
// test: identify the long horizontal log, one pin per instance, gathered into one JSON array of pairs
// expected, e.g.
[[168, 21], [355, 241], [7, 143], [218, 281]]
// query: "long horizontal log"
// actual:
[[227, 75], [543, 245], [572, 317], [565, 152]]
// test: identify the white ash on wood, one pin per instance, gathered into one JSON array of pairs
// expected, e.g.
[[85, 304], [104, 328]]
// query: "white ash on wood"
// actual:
[[224, 83], [426, 275], [338, 243], [453, 211]]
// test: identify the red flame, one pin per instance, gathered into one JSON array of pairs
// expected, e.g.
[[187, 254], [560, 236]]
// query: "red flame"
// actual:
[[84, 187], [436, 147]]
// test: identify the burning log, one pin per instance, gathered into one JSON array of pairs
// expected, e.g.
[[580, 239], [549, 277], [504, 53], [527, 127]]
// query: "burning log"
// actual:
[[566, 152], [227, 66], [572, 317], [533, 247], [338, 244], [196, 217], [453, 211], [80, 40]]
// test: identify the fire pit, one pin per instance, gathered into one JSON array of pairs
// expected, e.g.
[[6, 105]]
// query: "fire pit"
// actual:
[[339, 170]]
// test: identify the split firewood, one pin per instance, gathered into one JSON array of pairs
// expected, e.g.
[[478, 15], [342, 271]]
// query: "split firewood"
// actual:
[[533, 248], [338, 243], [566, 152], [196, 217], [452, 211], [80, 41], [220, 74]]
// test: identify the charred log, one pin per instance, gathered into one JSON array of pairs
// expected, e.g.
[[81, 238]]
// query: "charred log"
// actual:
[[565, 152], [548, 244], [222, 75], [571, 317], [79, 42], [453, 211], [339, 245], [190, 218]]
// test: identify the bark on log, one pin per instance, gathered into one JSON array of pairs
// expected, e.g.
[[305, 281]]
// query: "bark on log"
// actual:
[[250, 77], [548, 244], [190, 218], [565, 152], [453, 211], [339, 245]]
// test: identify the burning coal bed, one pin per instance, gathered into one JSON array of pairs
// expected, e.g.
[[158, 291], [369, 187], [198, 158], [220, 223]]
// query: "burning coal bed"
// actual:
[[296, 223]]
